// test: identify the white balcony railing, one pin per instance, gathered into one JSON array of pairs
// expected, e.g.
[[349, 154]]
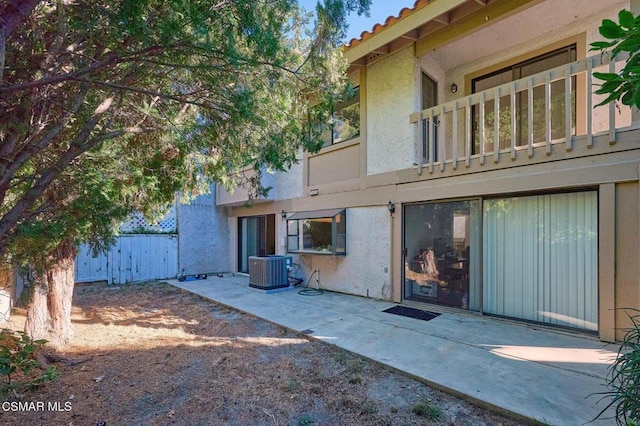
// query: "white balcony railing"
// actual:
[[540, 113]]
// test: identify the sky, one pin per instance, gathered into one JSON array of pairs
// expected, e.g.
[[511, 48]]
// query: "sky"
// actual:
[[379, 11]]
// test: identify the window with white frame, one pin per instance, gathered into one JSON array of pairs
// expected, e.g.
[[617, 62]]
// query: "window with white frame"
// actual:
[[317, 232]]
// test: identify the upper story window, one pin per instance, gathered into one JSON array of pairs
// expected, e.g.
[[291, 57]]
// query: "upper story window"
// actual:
[[429, 89], [527, 68], [429, 92], [345, 121]]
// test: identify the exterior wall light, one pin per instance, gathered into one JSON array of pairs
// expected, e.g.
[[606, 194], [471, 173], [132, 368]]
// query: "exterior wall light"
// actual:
[[391, 207], [454, 88], [284, 215]]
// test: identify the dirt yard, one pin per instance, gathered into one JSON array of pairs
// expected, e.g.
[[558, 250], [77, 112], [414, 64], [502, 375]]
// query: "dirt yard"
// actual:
[[157, 355]]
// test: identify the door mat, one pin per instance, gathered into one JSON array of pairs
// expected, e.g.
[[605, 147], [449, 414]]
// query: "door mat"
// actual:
[[412, 313]]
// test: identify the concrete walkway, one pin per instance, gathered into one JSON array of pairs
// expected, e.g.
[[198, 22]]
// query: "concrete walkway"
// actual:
[[540, 374]]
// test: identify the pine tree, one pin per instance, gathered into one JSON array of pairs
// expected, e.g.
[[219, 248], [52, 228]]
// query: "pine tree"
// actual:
[[109, 107]]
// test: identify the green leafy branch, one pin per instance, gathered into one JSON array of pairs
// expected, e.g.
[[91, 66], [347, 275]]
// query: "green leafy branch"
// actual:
[[623, 37], [624, 377], [19, 368]]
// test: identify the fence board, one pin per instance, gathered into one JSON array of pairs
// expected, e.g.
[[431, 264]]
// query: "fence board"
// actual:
[[135, 257]]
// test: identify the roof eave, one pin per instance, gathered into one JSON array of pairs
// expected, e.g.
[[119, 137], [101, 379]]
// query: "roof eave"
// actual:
[[400, 27]]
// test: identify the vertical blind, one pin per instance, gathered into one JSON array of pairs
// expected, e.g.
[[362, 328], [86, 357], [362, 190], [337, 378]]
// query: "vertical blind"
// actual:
[[540, 258]]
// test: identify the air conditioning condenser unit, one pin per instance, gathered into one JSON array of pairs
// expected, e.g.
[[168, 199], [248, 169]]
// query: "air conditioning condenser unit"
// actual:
[[269, 272]]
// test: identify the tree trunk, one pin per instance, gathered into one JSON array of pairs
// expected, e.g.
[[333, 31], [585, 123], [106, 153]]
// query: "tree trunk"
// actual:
[[49, 313], [3, 51]]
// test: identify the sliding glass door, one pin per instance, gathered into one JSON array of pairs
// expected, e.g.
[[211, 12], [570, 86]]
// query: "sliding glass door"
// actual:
[[256, 237], [541, 258], [441, 255], [533, 258]]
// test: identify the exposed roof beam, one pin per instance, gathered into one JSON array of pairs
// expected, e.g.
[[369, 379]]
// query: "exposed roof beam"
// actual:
[[408, 23], [411, 35], [465, 10], [382, 49], [482, 2], [359, 63], [445, 18], [428, 28], [399, 43], [374, 56]]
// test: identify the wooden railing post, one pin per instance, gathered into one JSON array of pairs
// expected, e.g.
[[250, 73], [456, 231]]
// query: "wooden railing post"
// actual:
[[589, 111], [530, 117], [420, 143], [467, 153], [481, 132], [513, 120], [442, 138], [568, 107], [469, 139], [547, 112], [496, 126], [454, 136], [612, 108]]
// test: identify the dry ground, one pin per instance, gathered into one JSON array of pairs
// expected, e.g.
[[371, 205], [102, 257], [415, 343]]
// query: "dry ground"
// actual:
[[157, 355]]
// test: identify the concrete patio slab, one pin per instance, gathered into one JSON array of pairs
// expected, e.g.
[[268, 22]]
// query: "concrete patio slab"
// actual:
[[533, 372]]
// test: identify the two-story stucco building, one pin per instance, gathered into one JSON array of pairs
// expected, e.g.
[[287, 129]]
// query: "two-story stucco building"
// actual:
[[472, 171]]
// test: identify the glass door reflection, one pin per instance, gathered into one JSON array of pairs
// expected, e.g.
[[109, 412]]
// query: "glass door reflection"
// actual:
[[440, 243]]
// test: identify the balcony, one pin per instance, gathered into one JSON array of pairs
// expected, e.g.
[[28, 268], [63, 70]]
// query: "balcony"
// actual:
[[240, 194], [544, 117]]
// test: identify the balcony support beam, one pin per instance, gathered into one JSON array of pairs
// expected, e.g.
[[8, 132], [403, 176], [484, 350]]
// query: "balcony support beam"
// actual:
[[472, 22]]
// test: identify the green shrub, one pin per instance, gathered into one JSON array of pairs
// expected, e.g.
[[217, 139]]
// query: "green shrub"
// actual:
[[19, 369], [427, 410], [624, 378], [306, 420], [341, 356], [355, 366], [355, 380], [369, 407], [291, 386]]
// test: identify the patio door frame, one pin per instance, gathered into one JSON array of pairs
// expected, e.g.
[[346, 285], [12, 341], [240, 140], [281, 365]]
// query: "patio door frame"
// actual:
[[548, 293], [477, 298], [474, 267], [260, 240]]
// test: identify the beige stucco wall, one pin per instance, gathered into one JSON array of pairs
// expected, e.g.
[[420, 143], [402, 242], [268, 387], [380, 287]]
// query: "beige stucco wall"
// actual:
[[391, 98], [362, 271], [627, 243], [341, 163], [240, 194], [232, 253], [370, 234], [290, 184]]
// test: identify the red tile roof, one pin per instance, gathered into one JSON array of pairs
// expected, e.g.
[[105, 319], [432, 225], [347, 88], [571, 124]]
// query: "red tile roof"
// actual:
[[419, 4]]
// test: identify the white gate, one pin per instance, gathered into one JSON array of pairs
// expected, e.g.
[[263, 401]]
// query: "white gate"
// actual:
[[135, 257]]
